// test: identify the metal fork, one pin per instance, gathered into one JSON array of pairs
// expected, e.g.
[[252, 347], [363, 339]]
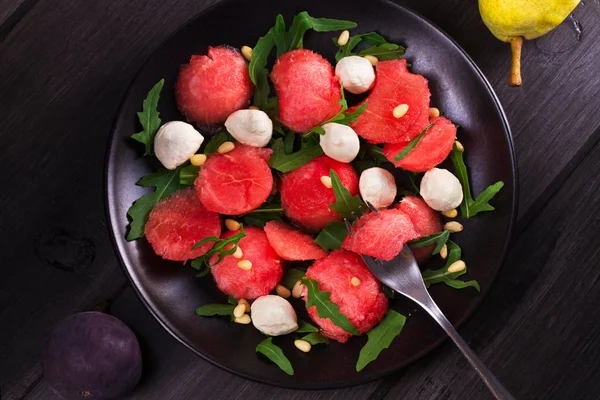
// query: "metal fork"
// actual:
[[403, 275]]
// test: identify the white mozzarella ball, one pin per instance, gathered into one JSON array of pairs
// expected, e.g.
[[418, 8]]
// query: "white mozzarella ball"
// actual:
[[339, 142], [175, 142], [377, 186], [273, 315], [441, 190], [356, 74], [250, 127]]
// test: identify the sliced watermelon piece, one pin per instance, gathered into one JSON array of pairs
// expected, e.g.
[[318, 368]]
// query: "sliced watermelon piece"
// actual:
[[308, 91], [236, 182], [213, 86], [364, 304], [433, 148], [426, 221], [177, 223], [266, 271], [394, 86], [381, 235], [306, 200], [292, 244]]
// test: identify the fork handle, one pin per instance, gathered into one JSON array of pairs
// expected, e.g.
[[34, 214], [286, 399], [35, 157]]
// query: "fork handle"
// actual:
[[486, 375]]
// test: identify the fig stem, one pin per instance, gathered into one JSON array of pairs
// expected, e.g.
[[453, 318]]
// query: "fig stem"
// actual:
[[516, 43]]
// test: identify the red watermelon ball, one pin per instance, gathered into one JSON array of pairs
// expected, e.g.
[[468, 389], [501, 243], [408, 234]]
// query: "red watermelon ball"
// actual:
[[364, 304], [213, 86], [259, 280], [177, 223], [426, 221], [292, 244], [433, 148], [381, 235], [304, 198], [92, 355], [236, 182], [395, 85], [308, 91]]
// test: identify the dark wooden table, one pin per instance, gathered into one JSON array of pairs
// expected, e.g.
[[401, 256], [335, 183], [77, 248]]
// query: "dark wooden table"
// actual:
[[64, 67]]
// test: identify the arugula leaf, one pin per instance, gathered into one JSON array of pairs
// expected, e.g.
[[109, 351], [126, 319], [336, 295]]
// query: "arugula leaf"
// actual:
[[210, 310], [275, 354], [325, 308], [384, 51], [341, 117], [305, 327], [222, 247], [188, 174], [279, 35], [439, 239], [344, 204], [449, 278], [286, 162], [261, 90], [201, 266], [291, 276], [232, 300], [380, 338], [166, 182], [412, 176], [380, 47], [213, 144], [412, 144], [270, 210], [388, 292], [257, 68], [347, 119], [149, 119], [469, 207], [332, 236], [288, 142], [303, 22], [315, 338]]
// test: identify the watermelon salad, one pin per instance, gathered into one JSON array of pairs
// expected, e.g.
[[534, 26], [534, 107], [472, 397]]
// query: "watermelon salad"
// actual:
[[275, 147]]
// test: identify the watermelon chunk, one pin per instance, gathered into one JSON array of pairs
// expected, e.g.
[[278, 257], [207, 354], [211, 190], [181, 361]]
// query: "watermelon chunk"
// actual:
[[306, 200], [236, 182], [177, 223], [308, 90], [426, 221], [364, 305], [381, 235], [259, 280], [213, 86], [394, 85], [292, 244], [433, 148]]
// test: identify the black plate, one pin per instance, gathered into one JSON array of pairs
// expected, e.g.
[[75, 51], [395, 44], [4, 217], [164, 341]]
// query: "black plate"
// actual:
[[171, 292]]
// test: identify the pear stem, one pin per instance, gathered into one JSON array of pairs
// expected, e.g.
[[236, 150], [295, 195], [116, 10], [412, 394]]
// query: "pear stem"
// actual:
[[515, 68]]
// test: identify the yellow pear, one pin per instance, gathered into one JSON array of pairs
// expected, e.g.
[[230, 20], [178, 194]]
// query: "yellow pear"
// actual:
[[514, 20]]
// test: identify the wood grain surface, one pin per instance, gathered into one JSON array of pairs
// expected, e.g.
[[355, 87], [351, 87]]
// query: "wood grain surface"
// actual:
[[66, 64]]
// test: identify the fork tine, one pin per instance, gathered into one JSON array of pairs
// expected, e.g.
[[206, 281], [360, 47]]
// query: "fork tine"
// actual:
[[354, 216], [349, 227], [363, 211], [372, 207]]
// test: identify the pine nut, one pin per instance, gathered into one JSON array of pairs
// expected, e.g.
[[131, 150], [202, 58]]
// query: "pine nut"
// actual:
[[244, 320], [459, 146], [239, 310], [354, 281], [232, 225], [302, 345], [343, 39], [457, 266], [453, 226], [400, 111], [238, 253], [372, 59], [247, 52], [297, 290], [245, 303], [253, 108], [434, 112], [226, 147], [198, 159], [444, 251], [450, 213], [326, 181], [282, 291], [246, 265]]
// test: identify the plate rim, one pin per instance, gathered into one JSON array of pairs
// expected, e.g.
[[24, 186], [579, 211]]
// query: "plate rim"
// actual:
[[364, 378]]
